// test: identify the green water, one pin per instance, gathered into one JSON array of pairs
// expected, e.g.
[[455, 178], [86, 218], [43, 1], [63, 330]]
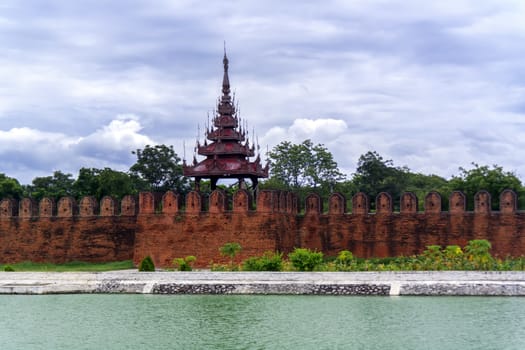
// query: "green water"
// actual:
[[260, 322]]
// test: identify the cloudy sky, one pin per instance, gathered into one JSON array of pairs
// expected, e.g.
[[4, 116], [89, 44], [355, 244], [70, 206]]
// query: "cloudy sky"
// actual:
[[432, 85]]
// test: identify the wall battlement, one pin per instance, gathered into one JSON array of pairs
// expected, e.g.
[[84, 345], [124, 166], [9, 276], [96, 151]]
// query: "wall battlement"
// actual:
[[167, 226], [171, 203]]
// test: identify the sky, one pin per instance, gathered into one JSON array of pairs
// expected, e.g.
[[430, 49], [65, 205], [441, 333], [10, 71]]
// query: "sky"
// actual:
[[432, 85]]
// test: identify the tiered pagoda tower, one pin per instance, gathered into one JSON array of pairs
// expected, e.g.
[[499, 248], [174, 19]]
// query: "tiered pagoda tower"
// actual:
[[228, 150]]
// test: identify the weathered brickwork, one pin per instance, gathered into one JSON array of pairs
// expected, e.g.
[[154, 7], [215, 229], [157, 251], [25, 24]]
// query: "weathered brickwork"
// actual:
[[167, 226], [63, 239]]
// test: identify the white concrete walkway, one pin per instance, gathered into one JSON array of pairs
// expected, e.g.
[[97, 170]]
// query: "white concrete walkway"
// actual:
[[330, 283]]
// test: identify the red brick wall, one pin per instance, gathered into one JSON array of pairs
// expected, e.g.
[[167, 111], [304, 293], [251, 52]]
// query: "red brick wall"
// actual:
[[59, 240], [166, 229], [166, 237]]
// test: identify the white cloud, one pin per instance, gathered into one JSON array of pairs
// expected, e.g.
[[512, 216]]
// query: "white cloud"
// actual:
[[24, 149], [433, 86]]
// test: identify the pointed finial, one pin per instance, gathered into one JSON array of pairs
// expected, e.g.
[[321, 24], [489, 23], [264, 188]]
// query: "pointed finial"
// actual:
[[225, 59], [225, 79]]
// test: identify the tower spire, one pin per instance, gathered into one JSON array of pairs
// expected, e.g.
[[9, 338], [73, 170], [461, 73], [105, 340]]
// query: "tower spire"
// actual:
[[225, 79], [229, 150]]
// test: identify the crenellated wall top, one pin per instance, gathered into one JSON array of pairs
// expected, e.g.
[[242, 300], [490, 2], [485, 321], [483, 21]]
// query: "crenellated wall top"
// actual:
[[268, 201]]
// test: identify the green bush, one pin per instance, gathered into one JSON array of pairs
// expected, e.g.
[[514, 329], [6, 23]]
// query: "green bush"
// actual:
[[184, 264], [304, 259], [231, 249], [432, 258], [9, 268], [269, 261], [147, 265], [478, 255], [219, 267], [344, 260]]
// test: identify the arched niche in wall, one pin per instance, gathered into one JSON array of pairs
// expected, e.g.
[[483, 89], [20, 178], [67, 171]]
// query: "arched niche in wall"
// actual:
[[457, 203], [313, 204], [8, 208], [283, 204], [146, 203], [508, 202], [336, 204], [128, 206], [218, 201], [170, 203], [433, 203], [408, 203], [291, 200], [241, 200], [46, 207], [107, 206], [384, 203], [28, 208], [482, 202], [193, 202], [360, 204], [66, 207], [88, 206], [265, 201]]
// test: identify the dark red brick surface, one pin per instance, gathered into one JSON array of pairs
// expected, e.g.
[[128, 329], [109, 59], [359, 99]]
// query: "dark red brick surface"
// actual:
[[166, 229]]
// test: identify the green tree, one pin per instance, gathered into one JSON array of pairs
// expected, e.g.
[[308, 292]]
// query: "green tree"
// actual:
[[493, 180], [375, 174], [305, 165], [87, 183], [10, 187], [56, 186], [104, 182], [160, 167], [421, 185]]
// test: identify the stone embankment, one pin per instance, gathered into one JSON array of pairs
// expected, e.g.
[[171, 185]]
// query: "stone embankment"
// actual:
[[313, 283]]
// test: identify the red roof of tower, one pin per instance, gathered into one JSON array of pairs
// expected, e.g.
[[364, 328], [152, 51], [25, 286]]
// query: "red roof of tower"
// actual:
[[228, 152]]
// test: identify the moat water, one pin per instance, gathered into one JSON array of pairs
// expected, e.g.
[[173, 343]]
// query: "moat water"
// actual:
[[260, 322]]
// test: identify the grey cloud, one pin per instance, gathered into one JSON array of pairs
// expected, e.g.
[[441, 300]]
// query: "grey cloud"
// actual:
[[406, 77]]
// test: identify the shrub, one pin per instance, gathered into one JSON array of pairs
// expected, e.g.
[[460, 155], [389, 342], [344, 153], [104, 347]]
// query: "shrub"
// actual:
[[432, 258], [478, 254], [304, 259], [219, 267], [344, 260], [8, 268], [147, 265], [184, 264], [230, 249], [269, 261]]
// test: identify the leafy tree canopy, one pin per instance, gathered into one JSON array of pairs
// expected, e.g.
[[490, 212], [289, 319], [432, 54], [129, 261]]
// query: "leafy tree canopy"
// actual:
[[160, 167], [303, 165], [104, 182], [55, 186], [494, 180], [10, 188], [375, 174]]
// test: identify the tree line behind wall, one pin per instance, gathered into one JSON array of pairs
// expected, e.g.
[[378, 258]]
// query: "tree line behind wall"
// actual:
[[302, 168], [305, 168]]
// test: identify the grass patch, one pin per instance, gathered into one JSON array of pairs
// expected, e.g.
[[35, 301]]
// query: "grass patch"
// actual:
[[74, 266]]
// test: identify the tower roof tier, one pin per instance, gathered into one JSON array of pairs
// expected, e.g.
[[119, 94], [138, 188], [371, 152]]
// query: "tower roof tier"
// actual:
[[226, 168], [226, 148], [225, 134], [226, 156]]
